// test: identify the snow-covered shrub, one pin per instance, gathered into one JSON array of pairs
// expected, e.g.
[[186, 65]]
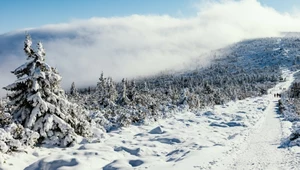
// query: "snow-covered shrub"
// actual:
[[118, 116], [26, 136], [99, 121], [295, 136], [14, 137], [281, 106], [7, 142], [289, 107], [5, 119]]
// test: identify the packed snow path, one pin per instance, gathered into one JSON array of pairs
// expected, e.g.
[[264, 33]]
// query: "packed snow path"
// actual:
[[261, 149]]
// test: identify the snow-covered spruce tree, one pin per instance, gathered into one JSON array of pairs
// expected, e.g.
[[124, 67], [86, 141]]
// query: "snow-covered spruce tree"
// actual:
[[101, 91], [38, 102], [73, 95], [183, 97], [123, 99], [73, 90], [132, 91], [146, 89], [111, 93]]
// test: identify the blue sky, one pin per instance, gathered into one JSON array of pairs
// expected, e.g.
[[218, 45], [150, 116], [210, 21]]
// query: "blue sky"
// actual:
[[18, 14]]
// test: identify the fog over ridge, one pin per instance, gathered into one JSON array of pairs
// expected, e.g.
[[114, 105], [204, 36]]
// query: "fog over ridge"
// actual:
[[141, 45]]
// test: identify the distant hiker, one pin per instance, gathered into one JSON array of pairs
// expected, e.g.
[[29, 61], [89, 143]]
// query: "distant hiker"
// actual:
[[274, 95]]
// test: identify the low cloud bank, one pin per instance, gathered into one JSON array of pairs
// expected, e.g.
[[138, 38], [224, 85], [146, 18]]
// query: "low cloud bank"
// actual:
[[141, 45]]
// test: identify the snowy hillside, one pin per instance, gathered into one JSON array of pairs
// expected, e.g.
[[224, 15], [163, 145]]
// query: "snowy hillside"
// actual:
[[245, 69], [244, 134], [215, 117]]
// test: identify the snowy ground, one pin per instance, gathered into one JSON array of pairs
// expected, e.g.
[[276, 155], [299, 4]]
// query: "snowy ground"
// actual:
[[239, 135]]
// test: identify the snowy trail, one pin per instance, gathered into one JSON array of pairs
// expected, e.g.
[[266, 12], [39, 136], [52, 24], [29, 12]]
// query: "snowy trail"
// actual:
[[261, 150]]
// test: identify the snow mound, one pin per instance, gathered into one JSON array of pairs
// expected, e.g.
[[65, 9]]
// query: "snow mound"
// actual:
[[157, 130]]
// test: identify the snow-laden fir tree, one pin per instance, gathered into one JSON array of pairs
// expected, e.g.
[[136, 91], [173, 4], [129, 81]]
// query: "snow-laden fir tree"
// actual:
[[73, 90], [132, 91], [38, 102], [146, 89], [183, 97], [111, 93], [123, 99], [101, 90]]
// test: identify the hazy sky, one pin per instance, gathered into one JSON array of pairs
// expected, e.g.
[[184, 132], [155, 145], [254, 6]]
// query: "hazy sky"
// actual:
[[132, 38], [18, 14]]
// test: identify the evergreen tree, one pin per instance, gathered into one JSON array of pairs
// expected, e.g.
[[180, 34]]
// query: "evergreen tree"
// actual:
[[110, 93], [123, 99], [146, 89], [100, 90], [132, 91], [183, 97], [38, 102], [73, 90]]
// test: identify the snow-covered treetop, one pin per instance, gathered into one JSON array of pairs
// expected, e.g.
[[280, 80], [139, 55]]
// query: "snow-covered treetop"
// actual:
[[27, 46], [41, 51]]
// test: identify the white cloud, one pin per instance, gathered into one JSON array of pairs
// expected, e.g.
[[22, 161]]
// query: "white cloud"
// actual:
[[140, 45]]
